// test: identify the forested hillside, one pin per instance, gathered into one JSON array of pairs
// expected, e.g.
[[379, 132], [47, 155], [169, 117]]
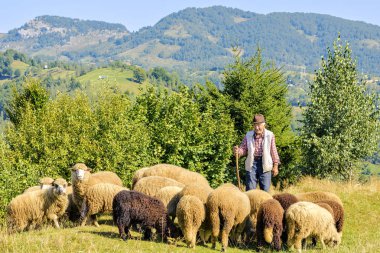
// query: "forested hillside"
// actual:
[[201, 39]]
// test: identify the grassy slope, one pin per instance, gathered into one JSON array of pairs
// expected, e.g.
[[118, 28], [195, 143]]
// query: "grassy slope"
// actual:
[[119, 77], [19, 65], [360, 233]]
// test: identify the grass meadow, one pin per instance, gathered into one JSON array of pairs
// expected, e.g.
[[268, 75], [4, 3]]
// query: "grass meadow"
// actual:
[[117, 76], [361, 231]]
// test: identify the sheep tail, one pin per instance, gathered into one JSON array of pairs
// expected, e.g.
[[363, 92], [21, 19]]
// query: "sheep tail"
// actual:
[[268, 235]]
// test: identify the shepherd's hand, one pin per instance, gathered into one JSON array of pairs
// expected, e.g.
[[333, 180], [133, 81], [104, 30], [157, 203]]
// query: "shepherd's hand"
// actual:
[[275, 169], [236, 151]]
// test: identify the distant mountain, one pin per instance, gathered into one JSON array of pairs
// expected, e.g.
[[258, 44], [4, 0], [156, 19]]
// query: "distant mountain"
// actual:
[[201, 39], [53, 35]]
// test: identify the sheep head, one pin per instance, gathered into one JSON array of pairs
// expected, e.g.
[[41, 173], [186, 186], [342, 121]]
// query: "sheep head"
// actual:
[[59, 186], [171, 229], [79, 170], [46, 182], [334, 240]]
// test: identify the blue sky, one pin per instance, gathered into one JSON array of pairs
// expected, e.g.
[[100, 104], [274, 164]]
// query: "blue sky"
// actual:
[[135, 14]]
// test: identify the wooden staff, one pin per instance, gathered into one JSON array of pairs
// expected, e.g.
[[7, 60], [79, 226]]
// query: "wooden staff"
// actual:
[[237, 168]]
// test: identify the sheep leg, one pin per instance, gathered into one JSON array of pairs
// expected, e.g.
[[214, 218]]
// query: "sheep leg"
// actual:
[[227, 227], [126, 230], [298, 243], [54, 218], [205, 235], [56, 224], [94, 220], [322, 242], [123, 232], [147, 234], [83, 213], [313, 241], [277, 238], [215, 225], [190, 237], [239, 231], [213, 241], [260, 235]]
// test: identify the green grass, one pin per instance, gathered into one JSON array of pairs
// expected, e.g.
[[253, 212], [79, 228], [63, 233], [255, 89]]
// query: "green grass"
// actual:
[[361, 231], [56, 73], [116, 76], [19, 65]]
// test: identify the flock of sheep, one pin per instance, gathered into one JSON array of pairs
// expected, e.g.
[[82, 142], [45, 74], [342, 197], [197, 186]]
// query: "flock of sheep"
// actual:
[[164, 192]]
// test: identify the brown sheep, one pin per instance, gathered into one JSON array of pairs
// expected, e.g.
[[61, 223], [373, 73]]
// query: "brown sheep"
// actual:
[[337, 212], [269, 224], [256, 198], [318, 196], [286, 200]]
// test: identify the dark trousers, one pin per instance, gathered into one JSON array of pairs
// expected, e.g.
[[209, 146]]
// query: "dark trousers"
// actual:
[[257, 174]]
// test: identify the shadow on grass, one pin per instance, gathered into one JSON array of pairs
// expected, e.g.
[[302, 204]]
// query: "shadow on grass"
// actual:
[[106, 234]]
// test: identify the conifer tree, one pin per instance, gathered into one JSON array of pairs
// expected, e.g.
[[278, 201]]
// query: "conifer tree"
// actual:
[[257, 87]]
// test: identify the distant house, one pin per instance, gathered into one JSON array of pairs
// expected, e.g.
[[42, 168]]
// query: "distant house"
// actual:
[[46, 66], [102, 77]]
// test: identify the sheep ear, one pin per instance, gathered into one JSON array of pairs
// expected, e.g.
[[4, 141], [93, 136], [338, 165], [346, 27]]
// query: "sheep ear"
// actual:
[[89, 169]]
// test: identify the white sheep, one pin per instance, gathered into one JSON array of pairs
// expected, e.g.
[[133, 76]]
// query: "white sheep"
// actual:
[[202, 192], [31, 209], [228, 207], [177, 173], [169, 195], [81, 179], [45, 183], [306, 219], [151, 185], [191, 214], [98, 200]]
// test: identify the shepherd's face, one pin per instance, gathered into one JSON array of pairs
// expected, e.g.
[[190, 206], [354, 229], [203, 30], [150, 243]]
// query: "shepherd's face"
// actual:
[[259, 128]]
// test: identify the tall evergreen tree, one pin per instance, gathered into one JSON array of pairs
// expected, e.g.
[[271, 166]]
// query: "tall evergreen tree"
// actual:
[[257, 87], [341, 122]]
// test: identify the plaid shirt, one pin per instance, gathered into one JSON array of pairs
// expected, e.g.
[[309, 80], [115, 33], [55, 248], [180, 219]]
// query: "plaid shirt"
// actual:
[[243, 148]]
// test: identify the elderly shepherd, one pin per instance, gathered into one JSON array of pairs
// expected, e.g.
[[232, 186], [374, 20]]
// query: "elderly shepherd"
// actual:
[[262, 160]]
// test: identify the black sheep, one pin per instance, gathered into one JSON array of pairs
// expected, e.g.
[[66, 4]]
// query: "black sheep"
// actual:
[[132, 208]]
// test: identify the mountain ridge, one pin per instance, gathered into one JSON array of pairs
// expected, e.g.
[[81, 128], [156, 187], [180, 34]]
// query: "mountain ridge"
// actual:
[[202, 39]]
